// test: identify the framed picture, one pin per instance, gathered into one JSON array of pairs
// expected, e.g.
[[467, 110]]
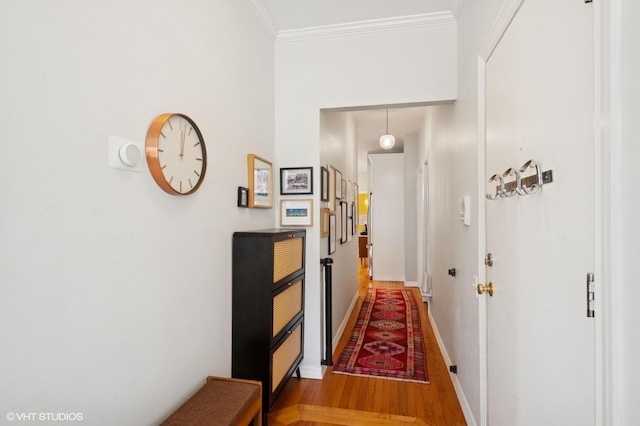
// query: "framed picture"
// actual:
[[354, 217], [324, 184], [243, 197], [356, 208], [324, 222], [332, 233], [338, 184], [296, 180], [296, 212], [351, 188], [260, 182], [332, 188], [343, 222], [344, 193]]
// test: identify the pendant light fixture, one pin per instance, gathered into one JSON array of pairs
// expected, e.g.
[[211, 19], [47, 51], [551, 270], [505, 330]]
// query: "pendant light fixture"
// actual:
[[387, 141]]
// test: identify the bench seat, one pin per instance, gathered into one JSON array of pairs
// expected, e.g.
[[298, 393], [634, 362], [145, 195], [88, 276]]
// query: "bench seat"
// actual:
[[221, 401]]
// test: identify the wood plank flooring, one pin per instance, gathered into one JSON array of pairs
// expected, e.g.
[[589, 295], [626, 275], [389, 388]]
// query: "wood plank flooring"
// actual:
[[340, 399]]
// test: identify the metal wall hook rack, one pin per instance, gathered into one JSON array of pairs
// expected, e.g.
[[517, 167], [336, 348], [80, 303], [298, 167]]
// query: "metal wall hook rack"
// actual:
[[506, 193], [499, 188], [521, 185], [539, 181]]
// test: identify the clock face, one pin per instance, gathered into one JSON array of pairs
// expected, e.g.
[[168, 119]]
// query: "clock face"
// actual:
[[176, 154]]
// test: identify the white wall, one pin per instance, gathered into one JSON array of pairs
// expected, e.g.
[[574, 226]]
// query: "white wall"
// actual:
[[625, 212], [338, 147], [450, 133], [115, 298], [347, 71]]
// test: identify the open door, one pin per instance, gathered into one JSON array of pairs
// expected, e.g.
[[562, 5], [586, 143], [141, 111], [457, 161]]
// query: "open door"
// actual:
[[369, 236], [424, 273], [539, 99]]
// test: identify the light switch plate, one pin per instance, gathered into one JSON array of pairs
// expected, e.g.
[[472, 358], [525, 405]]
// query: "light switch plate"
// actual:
[[123, 154], [465, 213]]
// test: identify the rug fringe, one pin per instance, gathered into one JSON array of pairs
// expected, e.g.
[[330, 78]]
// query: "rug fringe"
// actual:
[[426, 382]]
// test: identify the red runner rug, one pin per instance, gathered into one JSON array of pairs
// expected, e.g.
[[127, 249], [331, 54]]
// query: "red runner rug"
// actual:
[[386, 341]]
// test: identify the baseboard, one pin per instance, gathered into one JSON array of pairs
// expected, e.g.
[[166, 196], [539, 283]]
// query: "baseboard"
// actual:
[[411, 284], [343, 325], [466, 409], [317, 372], [312, 371]]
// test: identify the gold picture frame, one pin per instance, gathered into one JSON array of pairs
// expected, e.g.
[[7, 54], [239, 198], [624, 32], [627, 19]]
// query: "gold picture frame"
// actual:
[[296, 212], [324, 222], [260, 182]]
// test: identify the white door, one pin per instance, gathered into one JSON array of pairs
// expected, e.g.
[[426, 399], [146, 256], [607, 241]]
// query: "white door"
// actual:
[[539, 106], [370, 236], [386, 205]]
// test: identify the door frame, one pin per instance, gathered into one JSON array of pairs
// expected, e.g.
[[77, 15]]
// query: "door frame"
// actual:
[[423, 220], [603, 181]]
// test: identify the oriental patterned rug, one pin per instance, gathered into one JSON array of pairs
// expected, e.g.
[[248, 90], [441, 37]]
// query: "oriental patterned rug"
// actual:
[[386, 341]]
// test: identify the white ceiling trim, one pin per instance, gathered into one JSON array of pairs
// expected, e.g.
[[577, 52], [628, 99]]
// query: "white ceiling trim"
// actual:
[[508, 12], [457, 8], [261, 13], [351, 28]]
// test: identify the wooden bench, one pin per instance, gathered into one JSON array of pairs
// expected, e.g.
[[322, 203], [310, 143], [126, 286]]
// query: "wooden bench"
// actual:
[[221, 402]]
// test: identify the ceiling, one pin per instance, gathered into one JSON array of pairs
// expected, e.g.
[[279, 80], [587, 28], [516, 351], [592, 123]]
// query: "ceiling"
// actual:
[[292, 15], [371, 124]]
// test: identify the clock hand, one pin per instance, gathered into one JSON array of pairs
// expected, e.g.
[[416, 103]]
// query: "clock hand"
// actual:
[[182, 138]]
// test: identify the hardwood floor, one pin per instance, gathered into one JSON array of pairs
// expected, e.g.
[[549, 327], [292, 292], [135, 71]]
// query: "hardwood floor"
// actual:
[[339, 399]]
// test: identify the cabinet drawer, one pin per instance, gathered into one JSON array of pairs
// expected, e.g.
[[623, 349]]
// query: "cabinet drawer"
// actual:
[[286, 305], [288, 257], [285, 356]]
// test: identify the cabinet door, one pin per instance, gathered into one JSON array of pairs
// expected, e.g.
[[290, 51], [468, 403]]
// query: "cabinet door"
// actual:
[[287, 305], [288, 257], [286, 355]]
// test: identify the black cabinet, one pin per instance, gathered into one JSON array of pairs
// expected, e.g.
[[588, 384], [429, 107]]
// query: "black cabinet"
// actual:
[[268, 307]]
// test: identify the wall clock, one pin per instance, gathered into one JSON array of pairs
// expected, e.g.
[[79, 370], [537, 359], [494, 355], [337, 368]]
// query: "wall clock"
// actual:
[[176, 154]]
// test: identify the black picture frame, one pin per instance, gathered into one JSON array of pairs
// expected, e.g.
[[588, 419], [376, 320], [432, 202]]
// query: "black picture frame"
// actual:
[[324, 184], [343, 222], [332, 233], [243, 196], [354, 219], [296, 180]]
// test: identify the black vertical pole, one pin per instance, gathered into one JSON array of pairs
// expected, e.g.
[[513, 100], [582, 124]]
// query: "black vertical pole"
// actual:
[[327, 311]]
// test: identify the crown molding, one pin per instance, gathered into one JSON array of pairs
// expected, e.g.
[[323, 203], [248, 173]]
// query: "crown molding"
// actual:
[[258, 9], [374, 25], [457, 9], [508, 12]]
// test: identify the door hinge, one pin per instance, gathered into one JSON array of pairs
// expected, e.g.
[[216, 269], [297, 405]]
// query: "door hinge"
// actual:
[[591, 295]]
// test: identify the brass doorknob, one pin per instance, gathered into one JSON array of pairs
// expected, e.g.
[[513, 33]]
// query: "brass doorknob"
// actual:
[[485, 288]]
